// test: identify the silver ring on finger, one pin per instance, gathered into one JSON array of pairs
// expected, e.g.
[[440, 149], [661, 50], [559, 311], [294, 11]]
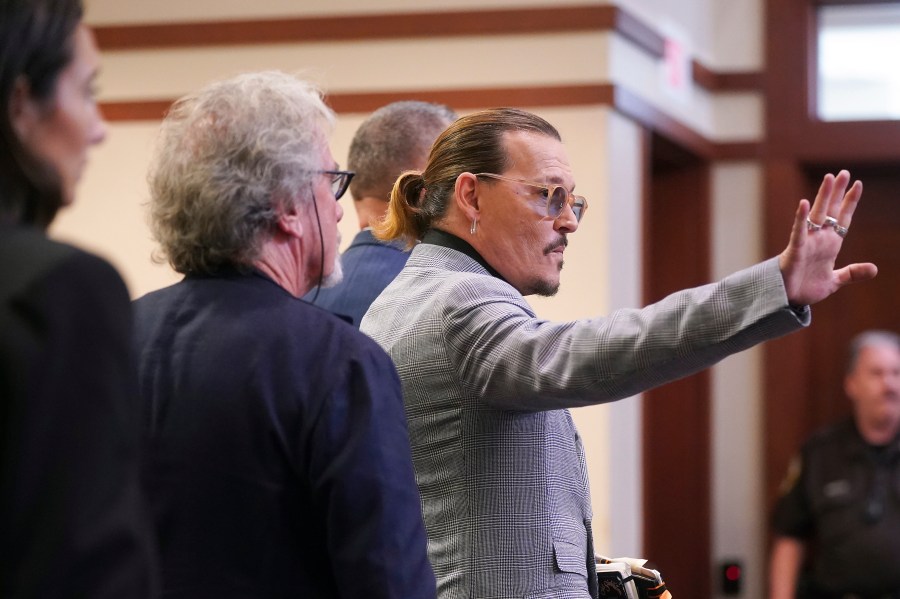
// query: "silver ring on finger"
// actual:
[[841, 231], [811, 226], [830, 221]]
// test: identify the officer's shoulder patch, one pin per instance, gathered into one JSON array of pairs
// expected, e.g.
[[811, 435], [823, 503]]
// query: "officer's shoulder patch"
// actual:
[[792, 475]]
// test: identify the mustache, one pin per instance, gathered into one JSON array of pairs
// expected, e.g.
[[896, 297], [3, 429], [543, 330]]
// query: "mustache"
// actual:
[[560, 241]]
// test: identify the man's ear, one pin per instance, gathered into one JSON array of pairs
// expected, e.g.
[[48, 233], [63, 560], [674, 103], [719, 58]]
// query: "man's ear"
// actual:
[[290, 221], [24, 112], [850, 386], [465, 194]]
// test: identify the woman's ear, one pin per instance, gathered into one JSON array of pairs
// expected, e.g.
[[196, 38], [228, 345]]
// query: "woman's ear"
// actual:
[[24, 112], [465, 194]]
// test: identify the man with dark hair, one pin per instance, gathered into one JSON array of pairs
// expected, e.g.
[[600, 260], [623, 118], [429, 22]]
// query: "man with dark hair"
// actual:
[[841, 497], [488, 384], [394, 139]]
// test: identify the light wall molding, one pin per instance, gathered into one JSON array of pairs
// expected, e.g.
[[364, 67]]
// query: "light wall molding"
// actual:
[[411, 25]]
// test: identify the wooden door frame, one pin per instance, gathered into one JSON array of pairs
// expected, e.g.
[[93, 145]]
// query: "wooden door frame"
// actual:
[[797, 142], [676, 436]]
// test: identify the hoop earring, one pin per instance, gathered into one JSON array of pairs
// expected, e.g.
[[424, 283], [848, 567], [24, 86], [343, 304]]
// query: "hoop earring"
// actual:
[[474, 226]]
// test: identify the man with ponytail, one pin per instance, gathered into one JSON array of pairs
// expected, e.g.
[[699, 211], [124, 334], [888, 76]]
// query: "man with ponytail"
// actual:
[[487, 384]]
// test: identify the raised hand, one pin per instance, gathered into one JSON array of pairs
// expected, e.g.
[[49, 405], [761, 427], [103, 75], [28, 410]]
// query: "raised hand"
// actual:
[[807, 264]]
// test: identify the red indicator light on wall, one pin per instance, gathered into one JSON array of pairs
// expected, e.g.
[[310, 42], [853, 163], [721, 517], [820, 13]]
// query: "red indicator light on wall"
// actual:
[[732, 575]]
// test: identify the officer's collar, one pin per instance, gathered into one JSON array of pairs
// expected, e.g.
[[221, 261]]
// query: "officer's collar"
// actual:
[[889, 452]]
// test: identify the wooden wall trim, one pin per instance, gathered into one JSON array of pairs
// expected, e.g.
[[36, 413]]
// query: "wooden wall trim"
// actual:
[[638, 109], [372, 26], [872, 142], [460, 99], [563, 19], [846, 2], [635, 30], [739, 150], [601, 94], [726, 82], [135, 110], [467, 99]]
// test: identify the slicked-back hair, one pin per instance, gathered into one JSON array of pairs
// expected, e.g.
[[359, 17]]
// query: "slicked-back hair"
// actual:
[[393, 139], [869, 339], [473, 143], [37, 43], [228, 159]]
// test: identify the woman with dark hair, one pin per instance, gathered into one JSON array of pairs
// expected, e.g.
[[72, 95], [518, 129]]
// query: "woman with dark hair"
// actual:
[[72, 519]]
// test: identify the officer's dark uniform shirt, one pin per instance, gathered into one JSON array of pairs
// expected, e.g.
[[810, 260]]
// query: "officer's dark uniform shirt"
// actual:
[[843, 496]]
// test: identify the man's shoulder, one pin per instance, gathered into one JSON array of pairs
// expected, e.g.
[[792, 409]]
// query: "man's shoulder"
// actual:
[[336, 343], [157, 298], [310, 325], [266, 311], [29, 258], [445, 275], [371, 262], [27, 255], [836, 436], [367, 252], [365, 238], [439, 286]]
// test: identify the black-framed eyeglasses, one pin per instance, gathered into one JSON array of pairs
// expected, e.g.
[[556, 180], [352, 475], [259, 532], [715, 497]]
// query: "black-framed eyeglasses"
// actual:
[[340, 181], [556, 196]]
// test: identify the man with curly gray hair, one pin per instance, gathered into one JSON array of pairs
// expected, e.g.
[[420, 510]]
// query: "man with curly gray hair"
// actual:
[[279, 460]]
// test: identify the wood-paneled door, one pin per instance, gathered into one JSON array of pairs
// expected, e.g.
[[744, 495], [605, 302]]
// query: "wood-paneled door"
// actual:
[[676, 417], [803, 371], [804, 389]]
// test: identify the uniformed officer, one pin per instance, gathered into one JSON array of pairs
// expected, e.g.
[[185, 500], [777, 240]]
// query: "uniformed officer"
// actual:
[[841, 502]]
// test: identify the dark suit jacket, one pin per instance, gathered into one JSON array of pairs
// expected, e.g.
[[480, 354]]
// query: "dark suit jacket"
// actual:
[[72, 519], [279, 460], [369, 266]]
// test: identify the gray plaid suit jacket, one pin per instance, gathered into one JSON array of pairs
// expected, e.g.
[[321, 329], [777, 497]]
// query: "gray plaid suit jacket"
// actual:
[[499, 463]]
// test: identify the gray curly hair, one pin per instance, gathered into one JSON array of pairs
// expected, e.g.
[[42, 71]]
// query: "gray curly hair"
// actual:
[[228, 159]]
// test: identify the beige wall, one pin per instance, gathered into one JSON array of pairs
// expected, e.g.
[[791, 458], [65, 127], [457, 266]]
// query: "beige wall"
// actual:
[[603, 261], [371, 66]]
